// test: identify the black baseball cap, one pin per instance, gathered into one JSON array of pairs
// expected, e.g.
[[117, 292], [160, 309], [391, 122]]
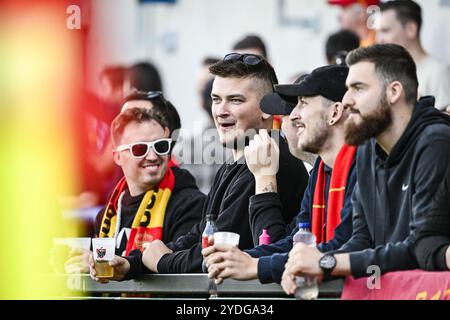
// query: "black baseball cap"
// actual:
[[327, 81], [274, 103]]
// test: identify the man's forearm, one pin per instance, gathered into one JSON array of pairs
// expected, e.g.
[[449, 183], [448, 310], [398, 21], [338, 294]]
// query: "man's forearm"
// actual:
[[342, 265], [264, 184]]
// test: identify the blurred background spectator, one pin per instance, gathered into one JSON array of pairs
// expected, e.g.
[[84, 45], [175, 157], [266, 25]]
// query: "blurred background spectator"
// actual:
[[339, 44], [354, 17], [177, 37], [400, 22], [251, 44]]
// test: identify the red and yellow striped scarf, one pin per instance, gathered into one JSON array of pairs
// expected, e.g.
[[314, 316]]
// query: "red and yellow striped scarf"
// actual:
[[148, 222], [336, 195]]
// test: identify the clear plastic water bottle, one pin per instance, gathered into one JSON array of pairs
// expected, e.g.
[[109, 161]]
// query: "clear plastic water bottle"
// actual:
[[307, 288], [208, 232]]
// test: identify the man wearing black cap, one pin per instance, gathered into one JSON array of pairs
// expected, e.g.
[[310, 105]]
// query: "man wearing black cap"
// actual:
[[289, 130], [403, 153], [313, 102]]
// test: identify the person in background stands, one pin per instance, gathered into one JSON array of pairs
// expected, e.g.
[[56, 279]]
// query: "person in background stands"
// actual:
[[339, 44], [400, 23], [354, 17]]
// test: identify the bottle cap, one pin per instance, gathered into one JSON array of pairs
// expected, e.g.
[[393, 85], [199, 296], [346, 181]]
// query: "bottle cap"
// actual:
[[304, 225]]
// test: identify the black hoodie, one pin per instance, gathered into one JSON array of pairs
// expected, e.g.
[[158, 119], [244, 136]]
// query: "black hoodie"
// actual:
[[393, 192], [434, 238], [183, 210], [229, 197]]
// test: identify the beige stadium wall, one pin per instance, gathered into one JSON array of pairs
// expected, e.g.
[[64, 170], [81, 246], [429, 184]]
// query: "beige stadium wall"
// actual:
[[177, 37]]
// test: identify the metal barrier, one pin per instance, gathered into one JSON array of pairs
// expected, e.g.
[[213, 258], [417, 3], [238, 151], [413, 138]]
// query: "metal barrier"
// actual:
[[190, 285]]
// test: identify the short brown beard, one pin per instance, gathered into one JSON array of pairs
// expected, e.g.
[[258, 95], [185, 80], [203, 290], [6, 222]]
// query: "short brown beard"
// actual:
[[371, 125], [319, 138]]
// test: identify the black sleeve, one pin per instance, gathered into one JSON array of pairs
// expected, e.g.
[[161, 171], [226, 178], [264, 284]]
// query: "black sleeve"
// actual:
[[269, 204], [232, 217], [189, 239], [431, 167], [182, 245], [265, 212], [277, 212], [137, 268], [271, 268], [434, 237], [360, 238], [188, 213], [266, 209]]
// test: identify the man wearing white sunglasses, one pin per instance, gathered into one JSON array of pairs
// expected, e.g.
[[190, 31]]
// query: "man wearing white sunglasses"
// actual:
[[157, 200]]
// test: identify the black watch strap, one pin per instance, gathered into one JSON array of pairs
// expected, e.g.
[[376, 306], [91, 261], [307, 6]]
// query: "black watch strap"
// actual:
[[327, 274], [327, 269]]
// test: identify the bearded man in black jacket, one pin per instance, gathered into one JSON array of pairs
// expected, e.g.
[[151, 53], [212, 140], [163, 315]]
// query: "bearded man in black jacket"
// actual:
[[241, 80], [404, 153]]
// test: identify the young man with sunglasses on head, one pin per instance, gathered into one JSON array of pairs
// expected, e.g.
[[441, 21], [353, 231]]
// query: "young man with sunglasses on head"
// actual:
[[315, 119], [239, 85]]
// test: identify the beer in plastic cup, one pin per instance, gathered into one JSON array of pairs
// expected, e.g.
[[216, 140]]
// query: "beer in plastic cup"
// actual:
[[103, 251]]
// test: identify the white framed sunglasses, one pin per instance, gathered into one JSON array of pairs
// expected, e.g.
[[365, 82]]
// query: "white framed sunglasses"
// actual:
[[140, 149]]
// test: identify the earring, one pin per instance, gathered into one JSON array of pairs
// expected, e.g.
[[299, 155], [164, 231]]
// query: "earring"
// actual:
[[331, 122]]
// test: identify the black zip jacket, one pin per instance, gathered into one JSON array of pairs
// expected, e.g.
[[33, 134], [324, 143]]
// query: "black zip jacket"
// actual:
[[233, 186], [393, 192], [183, 210], [434, 238]]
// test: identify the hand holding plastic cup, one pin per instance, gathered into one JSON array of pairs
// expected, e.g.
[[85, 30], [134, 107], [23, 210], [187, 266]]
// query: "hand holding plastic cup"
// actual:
[[229, 238], [103, 251]]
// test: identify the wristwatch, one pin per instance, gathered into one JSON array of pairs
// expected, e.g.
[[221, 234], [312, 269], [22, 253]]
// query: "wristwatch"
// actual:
[[327, 263]]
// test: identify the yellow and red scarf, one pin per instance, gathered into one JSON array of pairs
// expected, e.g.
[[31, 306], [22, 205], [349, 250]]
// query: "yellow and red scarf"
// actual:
[[336, 195], [149, 219]]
